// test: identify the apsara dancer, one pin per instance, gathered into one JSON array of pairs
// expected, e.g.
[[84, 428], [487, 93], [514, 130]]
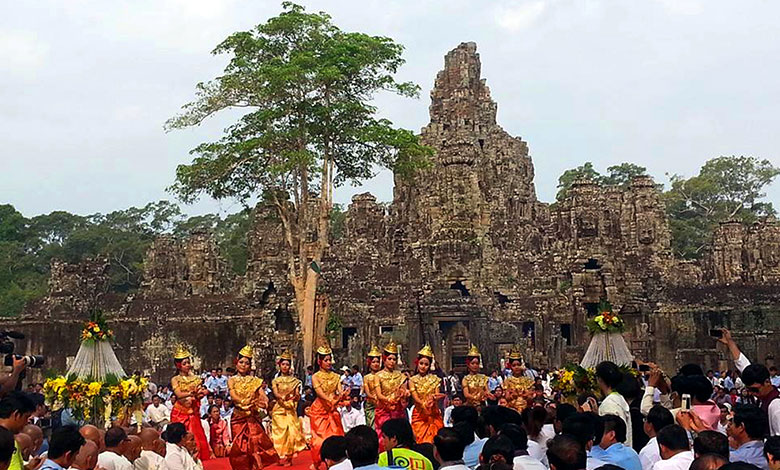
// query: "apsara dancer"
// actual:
[[324, 413], [286, 431], [391, 391], [252, 448], [374, 362], [517, 387], [475, 385], [189, 390], [425, 389]]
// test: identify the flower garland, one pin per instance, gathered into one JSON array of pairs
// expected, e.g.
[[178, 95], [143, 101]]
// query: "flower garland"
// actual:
[[92, 400], [96, 329], [573, 379], [606, 321]]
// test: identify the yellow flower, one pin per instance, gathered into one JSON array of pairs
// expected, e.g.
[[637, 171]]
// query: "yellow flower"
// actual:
[[97, 329], [93, 389]]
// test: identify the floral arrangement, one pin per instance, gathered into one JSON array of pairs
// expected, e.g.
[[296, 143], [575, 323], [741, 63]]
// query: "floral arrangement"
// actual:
[[606, 321], [95, 401], [574, 379], [96, 329]]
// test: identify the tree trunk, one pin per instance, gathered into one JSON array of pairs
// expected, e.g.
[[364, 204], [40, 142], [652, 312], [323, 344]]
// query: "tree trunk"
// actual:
[[306, 314]]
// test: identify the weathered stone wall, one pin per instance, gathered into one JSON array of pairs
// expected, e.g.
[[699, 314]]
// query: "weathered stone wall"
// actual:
[[464, 254]]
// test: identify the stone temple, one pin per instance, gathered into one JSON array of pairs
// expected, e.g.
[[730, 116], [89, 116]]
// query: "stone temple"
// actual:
[[464, 254]]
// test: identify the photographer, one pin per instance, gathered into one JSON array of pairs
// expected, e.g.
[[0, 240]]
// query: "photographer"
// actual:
[[15, 410]]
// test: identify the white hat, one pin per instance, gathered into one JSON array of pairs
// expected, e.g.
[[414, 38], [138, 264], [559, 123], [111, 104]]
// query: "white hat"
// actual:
[[345, 368]]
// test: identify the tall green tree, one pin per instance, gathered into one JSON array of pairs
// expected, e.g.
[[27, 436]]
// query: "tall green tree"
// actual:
[[307, 88], [726, 188]]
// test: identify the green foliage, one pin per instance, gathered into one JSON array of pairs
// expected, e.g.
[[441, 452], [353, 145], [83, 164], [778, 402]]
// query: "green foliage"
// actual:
[[618, 175], [307, 87], [338, 221], [333, 327], [726, 188], [27, 246]]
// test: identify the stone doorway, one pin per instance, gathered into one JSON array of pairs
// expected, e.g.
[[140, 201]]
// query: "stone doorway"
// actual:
[[455, 345]]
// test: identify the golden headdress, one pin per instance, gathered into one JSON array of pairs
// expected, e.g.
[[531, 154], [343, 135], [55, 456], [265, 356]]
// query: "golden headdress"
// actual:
[[515, 354], [324, 348], [246, 351], [391, 347], [286, 356], [181, 353], [426, 351], [374, 351], [473, 351]]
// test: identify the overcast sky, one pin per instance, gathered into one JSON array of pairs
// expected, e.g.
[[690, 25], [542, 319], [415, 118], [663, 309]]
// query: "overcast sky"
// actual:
[[86, 85]]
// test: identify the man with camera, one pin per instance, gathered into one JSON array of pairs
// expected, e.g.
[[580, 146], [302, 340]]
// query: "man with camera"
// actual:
[[8, 383], [15, 411]]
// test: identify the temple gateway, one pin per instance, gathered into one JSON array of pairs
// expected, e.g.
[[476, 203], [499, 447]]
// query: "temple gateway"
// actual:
[[464, 254]]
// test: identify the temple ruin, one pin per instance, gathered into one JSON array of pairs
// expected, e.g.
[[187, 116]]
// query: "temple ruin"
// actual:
[[465, 253]]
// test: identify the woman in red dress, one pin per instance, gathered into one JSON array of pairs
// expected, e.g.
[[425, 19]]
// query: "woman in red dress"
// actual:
[[189, 390]]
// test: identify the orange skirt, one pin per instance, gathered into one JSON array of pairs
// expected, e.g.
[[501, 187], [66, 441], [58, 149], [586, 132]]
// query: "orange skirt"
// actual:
[[251, 448], [191, 421], [324, 423], [425, 426]]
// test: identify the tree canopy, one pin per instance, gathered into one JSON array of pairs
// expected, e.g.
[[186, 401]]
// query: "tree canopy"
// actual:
[[618, 175]]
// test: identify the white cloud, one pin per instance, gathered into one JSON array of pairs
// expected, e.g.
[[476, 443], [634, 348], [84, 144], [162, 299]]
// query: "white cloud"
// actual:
[[518, 16], [682, 7], [21, 52]]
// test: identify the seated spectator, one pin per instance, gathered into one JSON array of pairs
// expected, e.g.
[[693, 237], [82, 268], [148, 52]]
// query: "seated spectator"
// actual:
[[709, 462], [65, 445], [448, 449], [351, 414], [657, 419], [157, 414], [497, 454], [87, 457], [611, 448], [133, 449], [363, 448], [746, 433], [36, 434], [675, 449], [113, 457], [582, 427], [563, 411], [92, 433], [177, 457], [711, 442], [565, 452], [466, 421], [7, 448], [26, 446], [521, 459], [334, 453], [494, 418], [398, 440], [457, 400], [152, 450], [218, 433], [772, 452]]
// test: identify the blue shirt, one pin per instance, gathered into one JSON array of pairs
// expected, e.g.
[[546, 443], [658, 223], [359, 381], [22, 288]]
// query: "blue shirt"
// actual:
[[371, 467], [222, 383], [50, 465], [356, 381], [750, 452], [728, 384], [618, 454], [472, 451]]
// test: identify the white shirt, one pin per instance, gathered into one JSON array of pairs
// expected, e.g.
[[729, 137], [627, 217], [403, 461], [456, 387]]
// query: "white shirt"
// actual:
[[681, 461], [157, 414], [343, 465], [177, 458], [351, 417], [615, 404], [536, 451], [526, 462], [113, 461], [149, 461], [774, 417], [448, 416], [650, 454]]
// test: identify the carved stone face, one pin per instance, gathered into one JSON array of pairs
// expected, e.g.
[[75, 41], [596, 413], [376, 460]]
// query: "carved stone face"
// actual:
[[647, 234], [587, 226]]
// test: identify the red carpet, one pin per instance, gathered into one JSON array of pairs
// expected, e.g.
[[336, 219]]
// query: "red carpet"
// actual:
[[302, 462]]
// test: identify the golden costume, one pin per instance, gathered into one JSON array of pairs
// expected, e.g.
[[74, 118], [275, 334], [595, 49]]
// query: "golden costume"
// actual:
[[516, 388], [369, 383], [252, 448], [475, 384], [325, 418], [426, 417], [390, 385], [286, 430], [187, 410]]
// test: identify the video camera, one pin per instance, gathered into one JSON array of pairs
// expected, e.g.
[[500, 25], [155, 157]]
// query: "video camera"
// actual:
[[7, 348]]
